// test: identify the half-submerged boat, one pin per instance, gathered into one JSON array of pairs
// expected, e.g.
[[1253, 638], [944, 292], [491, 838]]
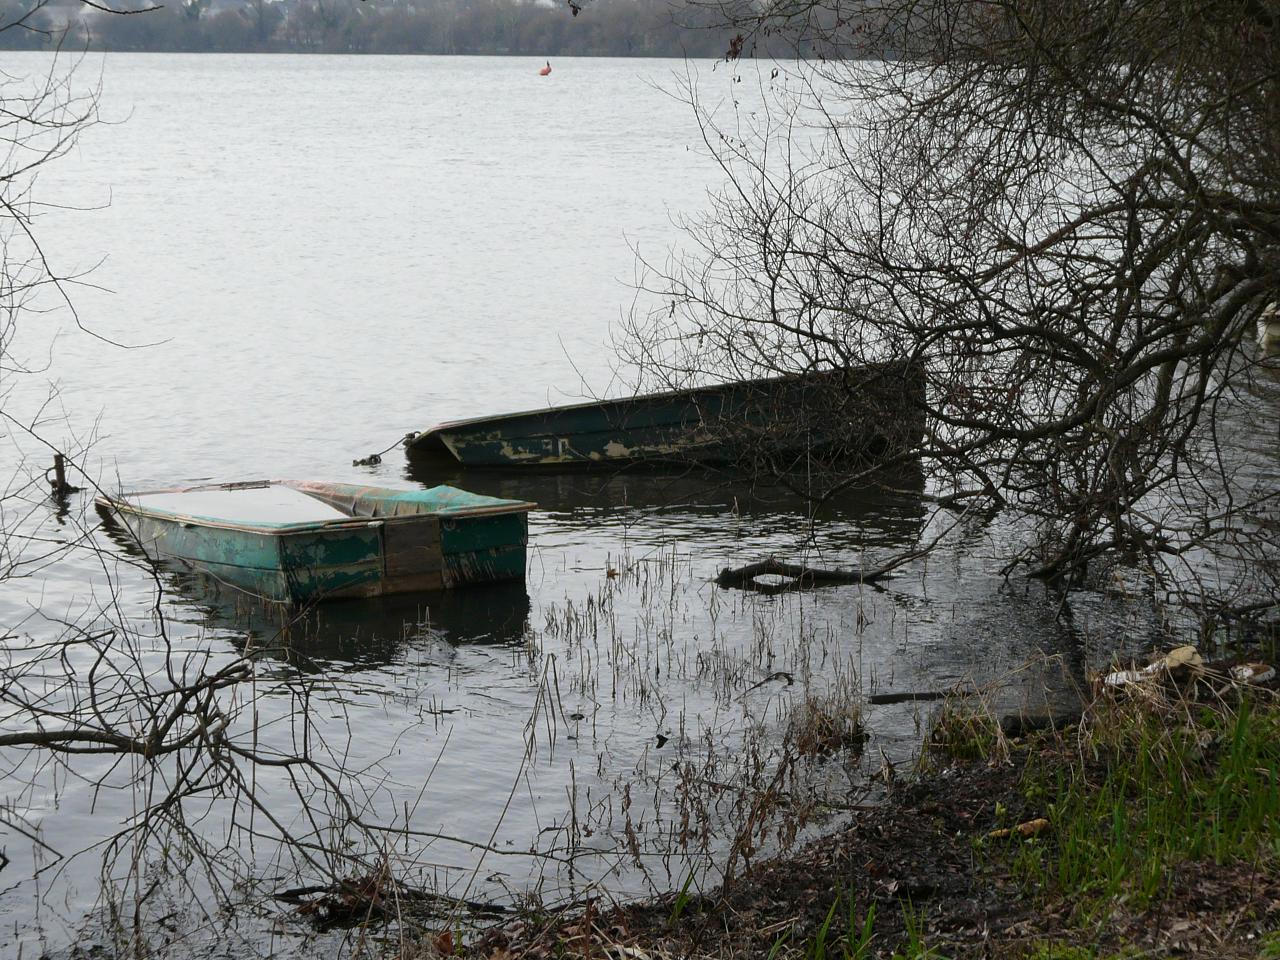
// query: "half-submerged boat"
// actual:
[[297, 541], [858, 413]]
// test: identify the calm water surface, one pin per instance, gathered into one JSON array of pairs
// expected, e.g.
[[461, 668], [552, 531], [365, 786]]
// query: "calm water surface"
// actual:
[[325, 253]]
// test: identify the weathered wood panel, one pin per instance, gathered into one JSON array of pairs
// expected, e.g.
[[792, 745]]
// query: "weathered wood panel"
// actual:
[[410, 548]]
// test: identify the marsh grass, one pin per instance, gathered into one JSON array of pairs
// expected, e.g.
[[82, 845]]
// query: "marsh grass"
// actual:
[[1150, 783], [823, 725], [743, 726], [965, 728]]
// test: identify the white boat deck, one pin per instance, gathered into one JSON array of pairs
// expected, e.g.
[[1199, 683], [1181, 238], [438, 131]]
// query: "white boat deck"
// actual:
[[269, 504]]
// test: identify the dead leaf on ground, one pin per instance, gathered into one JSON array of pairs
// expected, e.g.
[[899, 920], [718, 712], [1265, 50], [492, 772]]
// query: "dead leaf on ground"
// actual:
[[1029, 829]]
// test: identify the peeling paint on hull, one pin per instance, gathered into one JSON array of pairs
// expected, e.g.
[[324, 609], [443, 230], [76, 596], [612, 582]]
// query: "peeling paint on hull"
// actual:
[[860, 413]]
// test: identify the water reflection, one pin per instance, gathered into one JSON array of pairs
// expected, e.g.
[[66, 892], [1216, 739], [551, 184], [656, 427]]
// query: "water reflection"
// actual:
[[368, 633], [338, 634], [694, 504], [704, 512]]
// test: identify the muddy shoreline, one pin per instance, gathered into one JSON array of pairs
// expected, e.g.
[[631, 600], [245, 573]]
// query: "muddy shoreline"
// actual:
[[939, 868]]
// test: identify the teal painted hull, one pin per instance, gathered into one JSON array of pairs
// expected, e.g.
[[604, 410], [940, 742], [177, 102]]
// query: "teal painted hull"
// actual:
[[379, 541], [851, 415]]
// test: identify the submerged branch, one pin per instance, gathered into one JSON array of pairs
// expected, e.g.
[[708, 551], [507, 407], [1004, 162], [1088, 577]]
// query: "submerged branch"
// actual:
[[800, 577]]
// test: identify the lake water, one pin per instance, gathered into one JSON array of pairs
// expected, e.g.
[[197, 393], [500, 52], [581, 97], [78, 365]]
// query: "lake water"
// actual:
[[325, 253]]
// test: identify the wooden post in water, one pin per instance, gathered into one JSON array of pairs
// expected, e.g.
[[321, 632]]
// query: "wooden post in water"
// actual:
[[59, 482]]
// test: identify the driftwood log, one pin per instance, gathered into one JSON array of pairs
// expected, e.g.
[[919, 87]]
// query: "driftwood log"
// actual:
[[799, 577], [921, 696], [356, 899]]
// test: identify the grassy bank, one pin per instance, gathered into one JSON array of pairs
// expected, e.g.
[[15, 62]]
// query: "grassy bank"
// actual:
[[1149, 827]]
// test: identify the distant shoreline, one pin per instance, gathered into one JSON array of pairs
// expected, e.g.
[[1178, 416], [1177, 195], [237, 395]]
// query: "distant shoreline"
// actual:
[[598, 28], [374, 53]]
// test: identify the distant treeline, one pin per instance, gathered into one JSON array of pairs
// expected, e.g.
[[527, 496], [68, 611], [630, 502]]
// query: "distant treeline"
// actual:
[[529, 27]]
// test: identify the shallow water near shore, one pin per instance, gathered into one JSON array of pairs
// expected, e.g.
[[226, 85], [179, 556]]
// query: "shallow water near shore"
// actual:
[[342, 250]]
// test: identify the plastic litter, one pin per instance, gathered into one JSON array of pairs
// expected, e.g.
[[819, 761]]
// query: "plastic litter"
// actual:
[[1121, 678], [1253, 673], [1177, 659]]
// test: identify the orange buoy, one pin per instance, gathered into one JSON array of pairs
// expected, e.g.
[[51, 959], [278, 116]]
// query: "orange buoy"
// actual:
[[545, 70]]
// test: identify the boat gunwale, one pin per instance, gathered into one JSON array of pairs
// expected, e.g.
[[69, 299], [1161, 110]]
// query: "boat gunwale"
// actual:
[[267, 528], [449, 426]]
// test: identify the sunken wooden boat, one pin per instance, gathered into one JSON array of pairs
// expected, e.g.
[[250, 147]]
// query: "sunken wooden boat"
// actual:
[[861, 413], [298, 542]]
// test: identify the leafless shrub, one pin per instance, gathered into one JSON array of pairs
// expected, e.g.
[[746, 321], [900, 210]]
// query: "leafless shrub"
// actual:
[[1064, 212], [93, 692]]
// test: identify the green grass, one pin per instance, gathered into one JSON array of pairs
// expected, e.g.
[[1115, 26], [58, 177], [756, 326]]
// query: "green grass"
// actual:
[[857, 941], [1058, 951], [1150, 787], [915, 947], [682, 899], [1062, 951]]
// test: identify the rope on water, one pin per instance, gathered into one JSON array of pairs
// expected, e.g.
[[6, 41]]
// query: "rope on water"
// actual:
[[373, 459]]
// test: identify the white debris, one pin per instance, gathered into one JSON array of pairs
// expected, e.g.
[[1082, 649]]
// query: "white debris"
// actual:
[[1252, 672], [1121, 678], [1179, 658]]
